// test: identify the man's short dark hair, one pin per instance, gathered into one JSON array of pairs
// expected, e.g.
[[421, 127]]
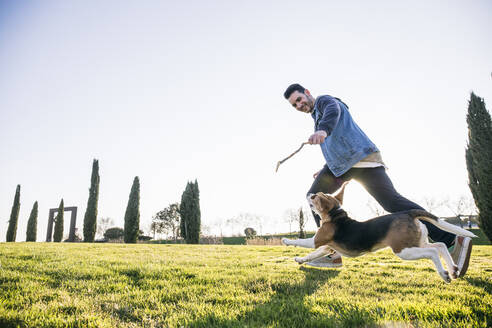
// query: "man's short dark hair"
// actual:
[[292, 88]]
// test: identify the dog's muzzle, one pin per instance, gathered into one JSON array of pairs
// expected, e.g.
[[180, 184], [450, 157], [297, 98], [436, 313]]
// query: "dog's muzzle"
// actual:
[[310, 197]]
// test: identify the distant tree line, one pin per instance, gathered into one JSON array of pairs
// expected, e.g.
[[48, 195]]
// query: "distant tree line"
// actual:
[[132, 215]]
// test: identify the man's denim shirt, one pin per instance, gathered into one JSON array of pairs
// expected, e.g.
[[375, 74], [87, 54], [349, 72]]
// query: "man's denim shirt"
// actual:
[[346, 143]]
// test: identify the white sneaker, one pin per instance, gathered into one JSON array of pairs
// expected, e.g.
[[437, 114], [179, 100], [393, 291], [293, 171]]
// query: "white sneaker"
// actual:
[[329, 261], [461, 253]]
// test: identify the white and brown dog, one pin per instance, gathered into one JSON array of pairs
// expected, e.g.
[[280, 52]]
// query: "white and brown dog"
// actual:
[[401, 231]]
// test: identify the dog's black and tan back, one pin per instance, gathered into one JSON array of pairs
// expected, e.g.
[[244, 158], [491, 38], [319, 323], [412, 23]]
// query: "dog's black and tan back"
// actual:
[[353, 238], [362, 237]]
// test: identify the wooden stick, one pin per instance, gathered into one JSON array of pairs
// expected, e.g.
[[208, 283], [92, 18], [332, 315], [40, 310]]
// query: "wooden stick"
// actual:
[[280, 162]]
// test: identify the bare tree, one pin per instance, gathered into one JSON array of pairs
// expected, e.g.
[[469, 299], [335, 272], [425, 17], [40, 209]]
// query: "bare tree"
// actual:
[[374, 208], [233, 224], [102, 225], [291, 216], [432, 204], [219, 223], [205, 230], [463, 206]]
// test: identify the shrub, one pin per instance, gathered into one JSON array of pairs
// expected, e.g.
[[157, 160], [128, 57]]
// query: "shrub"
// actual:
[[114, 233], [250, 232]]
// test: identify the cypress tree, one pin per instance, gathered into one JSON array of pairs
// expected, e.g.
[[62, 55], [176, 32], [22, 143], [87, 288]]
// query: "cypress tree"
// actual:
[[58, 233], [302, 222], [190, 213], [196, 225], [32, 223], [184, 209], [14, 216], [479, 160], [90, 218], [132, 214]]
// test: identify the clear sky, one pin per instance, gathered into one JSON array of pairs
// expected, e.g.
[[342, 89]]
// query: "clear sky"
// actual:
[[173, 91]]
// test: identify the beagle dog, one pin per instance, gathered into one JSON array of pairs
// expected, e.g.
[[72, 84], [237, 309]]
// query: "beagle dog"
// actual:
[[401, 231]]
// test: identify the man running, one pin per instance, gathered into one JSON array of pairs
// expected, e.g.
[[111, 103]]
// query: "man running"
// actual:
[[350, 154]]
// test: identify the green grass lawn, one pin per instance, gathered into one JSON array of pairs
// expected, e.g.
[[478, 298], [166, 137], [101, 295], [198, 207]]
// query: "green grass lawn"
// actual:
[[144, 285]]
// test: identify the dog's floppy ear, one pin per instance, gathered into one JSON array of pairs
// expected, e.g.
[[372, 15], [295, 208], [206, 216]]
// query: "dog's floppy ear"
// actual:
[[339, 194]]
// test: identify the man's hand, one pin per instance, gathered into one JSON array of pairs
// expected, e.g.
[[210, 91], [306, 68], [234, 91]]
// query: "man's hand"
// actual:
[[317, 138]]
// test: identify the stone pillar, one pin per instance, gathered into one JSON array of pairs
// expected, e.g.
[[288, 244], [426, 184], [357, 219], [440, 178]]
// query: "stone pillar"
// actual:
[[51, 219], [73, 220]]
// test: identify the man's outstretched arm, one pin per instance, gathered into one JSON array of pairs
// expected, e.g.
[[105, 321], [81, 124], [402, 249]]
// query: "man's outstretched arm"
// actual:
[[331, 114]]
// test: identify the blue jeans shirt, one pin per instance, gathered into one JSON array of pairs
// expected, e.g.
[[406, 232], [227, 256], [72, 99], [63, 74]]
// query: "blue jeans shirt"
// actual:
[[346, 144]]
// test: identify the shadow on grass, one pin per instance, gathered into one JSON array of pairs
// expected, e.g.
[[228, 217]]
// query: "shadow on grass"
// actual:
[[288, 307], [133, 275], [484, 283]]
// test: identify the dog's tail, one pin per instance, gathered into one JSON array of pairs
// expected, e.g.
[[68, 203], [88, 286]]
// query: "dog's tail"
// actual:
[[440, 223]]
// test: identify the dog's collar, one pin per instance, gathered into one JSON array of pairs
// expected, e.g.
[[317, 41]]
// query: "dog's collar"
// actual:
[[335, 211]]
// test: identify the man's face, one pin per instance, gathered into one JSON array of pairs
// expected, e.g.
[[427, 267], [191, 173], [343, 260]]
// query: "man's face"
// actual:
[[301, 101]]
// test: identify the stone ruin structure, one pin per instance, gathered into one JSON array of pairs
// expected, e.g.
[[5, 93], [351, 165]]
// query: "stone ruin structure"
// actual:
[[51, 220]]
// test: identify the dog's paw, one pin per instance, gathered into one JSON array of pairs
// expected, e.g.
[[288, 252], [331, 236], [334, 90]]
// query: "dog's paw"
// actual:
[[445, 276], [286, 241], [455, 272], [299, 260]]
